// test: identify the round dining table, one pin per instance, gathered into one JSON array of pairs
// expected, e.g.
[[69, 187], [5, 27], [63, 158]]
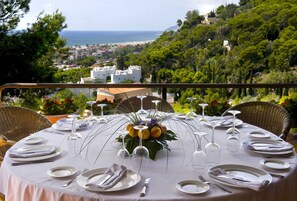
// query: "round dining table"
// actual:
[[31, 180]]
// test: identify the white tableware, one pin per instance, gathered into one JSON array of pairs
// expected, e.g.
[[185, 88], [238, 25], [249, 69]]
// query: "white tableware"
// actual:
[[31, 140], [66, 128], [275, 164], [61, 171], [238, 122], [57, 152], [259, 134], [269, 147], [130, 180], [193, 187], [247, 173]]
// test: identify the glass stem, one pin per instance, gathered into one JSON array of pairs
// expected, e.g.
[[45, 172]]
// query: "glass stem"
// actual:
[[101, 111], [123, 141], [141, 104], [140, 139], [233, 132], [199, 143], [202, 111], [212, 135], [73, 130]]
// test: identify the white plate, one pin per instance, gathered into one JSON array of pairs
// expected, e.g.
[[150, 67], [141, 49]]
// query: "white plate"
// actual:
[[275, 164], [192, 187], [130, 180], [238, 123], [38, 158], [65, 128], [246, 172], [33, 140], [259, 134], [61, 171]]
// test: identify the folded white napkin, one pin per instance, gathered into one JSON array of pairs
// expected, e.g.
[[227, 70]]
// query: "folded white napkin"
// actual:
[[27, 153], [110, 177], [67, 123], [281, 146], [237, 181]]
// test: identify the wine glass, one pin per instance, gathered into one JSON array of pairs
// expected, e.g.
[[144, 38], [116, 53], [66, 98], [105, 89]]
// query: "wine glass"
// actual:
[[74, 135], [199, 157], [156, 105], [91, 103], [233, 129], [102, 119], [123, 153], [140, 152], [141, 111], [212, 149], [191, 113], [202, 118]]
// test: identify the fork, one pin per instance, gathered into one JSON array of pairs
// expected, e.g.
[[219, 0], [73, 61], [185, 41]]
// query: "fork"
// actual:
[[73, 179], [146, 183], [220, 187]]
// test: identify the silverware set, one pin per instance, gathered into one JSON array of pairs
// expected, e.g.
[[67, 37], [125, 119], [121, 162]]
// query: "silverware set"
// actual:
[[73, 179], [207, 182]]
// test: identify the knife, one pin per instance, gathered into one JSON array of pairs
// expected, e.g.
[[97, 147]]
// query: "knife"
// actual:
[[146, 183]]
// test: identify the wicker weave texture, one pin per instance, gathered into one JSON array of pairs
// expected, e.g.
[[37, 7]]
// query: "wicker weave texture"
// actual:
[[17, 122], [266, 115], [133, 104]]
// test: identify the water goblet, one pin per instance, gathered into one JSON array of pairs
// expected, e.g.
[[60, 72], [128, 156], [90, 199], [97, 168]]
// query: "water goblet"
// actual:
[[199, 157], [202, 118], [123, 153], [233, 141], [74, 138], [102, 119], [140, 153], [212, 149], [141, 111], [91, 103], [191, 113], [156, 105], [233, 129]]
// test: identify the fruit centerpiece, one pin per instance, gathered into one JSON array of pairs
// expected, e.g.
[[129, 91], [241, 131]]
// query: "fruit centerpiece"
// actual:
[[154, 138]]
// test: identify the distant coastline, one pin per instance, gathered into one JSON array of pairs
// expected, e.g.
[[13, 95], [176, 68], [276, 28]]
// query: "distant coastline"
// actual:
[[81, 38]]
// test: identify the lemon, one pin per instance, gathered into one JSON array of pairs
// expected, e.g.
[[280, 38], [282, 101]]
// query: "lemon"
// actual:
[[156, 132], [133, 132], [129, 126], [145, 134]]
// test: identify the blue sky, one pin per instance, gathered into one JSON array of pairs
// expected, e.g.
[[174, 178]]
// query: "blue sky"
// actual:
[[120, 15]]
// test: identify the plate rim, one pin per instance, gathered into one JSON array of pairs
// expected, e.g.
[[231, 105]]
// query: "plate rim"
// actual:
[[58, 151], [178, 186], [286, 165], [266, 135], [73, 169], [102, 170], [42, 139], [266, 174]]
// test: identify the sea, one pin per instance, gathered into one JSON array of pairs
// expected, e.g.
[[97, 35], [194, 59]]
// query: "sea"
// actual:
[[80, 38]]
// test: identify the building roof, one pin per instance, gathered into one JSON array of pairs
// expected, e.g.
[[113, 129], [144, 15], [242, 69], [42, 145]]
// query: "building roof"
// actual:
[[116, 91]]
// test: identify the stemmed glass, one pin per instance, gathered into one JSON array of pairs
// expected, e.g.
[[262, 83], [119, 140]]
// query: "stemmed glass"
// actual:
[[123, 153], [203, 105], [140, 152], [233, 141], [74, 138], [91, 103], [199, 157], [191, 113], [212, 149], [156, 105], [141, 111], [102, 119]]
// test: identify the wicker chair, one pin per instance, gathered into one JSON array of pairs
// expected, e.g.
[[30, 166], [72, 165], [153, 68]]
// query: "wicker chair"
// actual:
[[266, 115], [17, 123], [133, 104]]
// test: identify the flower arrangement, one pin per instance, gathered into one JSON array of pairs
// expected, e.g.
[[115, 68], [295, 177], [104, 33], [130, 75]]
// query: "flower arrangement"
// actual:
[[56, 106], [291, 106], [154, 138]]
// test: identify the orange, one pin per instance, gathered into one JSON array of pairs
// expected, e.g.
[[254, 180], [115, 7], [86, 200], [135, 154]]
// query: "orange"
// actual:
[[133, 132], [156, 132], [129, 126], [145, 134]]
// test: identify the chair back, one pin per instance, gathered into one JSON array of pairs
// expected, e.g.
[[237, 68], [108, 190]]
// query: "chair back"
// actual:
[[18, 122], [133, 104], [268, 116]]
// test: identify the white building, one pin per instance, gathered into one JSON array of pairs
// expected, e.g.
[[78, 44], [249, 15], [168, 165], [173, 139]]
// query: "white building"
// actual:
[[117, 76]]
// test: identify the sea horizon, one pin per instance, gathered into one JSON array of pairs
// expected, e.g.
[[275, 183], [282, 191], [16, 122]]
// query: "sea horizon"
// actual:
[[80, 38]]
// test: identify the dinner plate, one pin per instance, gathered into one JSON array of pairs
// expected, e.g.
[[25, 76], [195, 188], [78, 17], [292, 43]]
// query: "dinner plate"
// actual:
[[65, 128], [57, 152], [192, 187], [238, 122], [275, 164], [248, 173], [61, 171], [259, 134], [130, 180], [33, 140]]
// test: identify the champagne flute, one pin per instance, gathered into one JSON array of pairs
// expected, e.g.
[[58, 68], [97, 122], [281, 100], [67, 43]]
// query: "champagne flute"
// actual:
[[140, 153], [102, 119], [141, 111], [199, 157], [202, 118], [191, 113], [123, 153], [156, 105], [212, 149]]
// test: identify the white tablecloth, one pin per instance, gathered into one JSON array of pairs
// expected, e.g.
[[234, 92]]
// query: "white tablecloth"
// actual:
[[31, 182]]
